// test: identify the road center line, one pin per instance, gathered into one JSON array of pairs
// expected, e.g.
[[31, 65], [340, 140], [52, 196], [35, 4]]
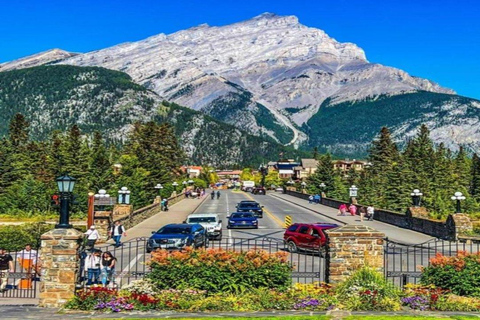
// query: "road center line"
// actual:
[[274, 218]]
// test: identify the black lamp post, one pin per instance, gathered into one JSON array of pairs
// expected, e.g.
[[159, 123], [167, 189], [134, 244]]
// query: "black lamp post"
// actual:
[[65, 186], [159, 187], [458, 197], [303, 184], [416, 196]]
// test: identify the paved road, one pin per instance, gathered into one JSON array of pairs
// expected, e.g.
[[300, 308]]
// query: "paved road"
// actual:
[[132, 256]]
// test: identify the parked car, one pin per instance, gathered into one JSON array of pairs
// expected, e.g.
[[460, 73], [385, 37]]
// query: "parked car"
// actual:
[[178, 236], [242, 220], [250, 206], [210, 221], [259, 190], [307, 236]]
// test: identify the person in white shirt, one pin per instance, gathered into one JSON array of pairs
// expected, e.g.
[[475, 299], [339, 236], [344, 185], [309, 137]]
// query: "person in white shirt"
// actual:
[[28, 259], [92, 236], [370, 213], [93, 267]]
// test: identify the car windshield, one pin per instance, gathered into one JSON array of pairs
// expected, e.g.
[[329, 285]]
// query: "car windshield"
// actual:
[[242, 215], [174, 230], [248, 205], [201, 219]]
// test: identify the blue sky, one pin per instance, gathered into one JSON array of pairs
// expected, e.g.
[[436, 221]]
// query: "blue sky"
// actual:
[[438, 40]]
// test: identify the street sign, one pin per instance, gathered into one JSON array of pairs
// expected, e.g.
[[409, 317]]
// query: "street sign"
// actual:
[[105, 201]]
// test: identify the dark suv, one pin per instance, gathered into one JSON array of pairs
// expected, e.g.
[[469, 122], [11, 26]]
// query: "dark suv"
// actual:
[[177, 237], [307, 236], [250, 206]]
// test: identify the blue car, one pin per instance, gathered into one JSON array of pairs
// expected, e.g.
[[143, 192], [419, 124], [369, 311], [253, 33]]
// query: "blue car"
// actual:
[[250, 206], [242, 220], [177, 237]]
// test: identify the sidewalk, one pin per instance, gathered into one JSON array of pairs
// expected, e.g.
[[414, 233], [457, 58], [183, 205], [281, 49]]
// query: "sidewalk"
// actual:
[[177, 213], [392, 232], [36, 313]]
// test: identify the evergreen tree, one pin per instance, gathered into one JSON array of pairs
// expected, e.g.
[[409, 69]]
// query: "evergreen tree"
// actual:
[[475, 182], [323, 174], [100, 168]]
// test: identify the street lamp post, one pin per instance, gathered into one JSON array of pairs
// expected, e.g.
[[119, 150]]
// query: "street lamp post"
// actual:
[[65, 186], [124, 195], [458, 196], [416, 197], [102, 194], [191, 181], [303, 184], [175, 185], [353, 193], [159, 187]]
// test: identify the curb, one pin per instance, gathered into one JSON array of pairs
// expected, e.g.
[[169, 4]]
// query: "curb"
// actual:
[[317, 212]]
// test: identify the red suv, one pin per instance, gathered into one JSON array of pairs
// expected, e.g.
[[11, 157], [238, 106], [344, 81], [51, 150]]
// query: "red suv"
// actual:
[[307, 236]]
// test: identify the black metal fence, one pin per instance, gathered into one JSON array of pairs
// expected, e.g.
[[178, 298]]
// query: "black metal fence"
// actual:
[[132, 261], [19, 274], [403, 262]]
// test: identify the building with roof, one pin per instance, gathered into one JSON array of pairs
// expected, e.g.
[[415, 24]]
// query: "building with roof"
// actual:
[[306, 168], [345, 165]]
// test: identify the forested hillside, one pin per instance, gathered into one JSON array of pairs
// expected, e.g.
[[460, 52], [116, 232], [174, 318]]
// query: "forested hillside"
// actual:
[[92, 98]]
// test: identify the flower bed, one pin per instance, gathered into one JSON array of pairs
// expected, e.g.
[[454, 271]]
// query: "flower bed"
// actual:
[[364, 290]]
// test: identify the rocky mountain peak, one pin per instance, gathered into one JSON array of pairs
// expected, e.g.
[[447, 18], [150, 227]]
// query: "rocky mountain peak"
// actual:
[[37, 59]]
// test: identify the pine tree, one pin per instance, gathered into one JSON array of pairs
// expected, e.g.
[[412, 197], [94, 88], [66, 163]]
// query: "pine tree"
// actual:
[[475, 182], [100, 168], [323, 174]]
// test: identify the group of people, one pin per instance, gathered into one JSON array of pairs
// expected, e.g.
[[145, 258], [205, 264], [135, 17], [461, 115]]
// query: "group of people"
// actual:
[[213, 193], [164, 205], [27, 259], [197, 193], [115, 232], [316, 198], [367, 212], [100, 268]]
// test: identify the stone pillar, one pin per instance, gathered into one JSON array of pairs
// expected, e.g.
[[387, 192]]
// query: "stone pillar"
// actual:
[[457, 224], [60, 266], [351, 247], [102, 221]]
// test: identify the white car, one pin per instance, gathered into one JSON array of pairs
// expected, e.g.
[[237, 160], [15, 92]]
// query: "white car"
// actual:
[[210, 221]]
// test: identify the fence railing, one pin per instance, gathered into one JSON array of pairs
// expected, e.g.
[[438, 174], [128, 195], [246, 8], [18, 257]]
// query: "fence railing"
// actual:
[[19, 274], [403, 263], [132, 260]]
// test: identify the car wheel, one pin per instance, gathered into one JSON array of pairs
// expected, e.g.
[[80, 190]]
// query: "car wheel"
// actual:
[[292, 246]]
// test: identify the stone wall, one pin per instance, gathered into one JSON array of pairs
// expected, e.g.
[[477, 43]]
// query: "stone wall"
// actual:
[[416, 218], [137, 216], [351, 247], [59, 266]]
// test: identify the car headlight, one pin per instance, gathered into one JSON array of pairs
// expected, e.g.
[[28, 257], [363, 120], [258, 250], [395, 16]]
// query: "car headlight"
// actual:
[[255, 222]]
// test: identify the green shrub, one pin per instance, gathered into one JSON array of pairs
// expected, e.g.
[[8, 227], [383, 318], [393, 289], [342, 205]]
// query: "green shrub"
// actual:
[[460, 274], [15, 237], [367, 289], [217, 270]]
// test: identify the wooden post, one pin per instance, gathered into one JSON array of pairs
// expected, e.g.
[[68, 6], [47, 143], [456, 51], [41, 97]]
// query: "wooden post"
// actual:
[[91, 209]]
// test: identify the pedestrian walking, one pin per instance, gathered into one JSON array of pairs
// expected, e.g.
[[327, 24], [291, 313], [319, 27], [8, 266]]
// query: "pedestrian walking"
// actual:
[[370, 213], [212, 194], [116, 232], [92, 236], [28, 259], [6, 266], [352, 209], [218, 194], [165, 204], [317, 198], [108, 268], [362, 212], [92, 265], [342, 209], [310, 199]]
